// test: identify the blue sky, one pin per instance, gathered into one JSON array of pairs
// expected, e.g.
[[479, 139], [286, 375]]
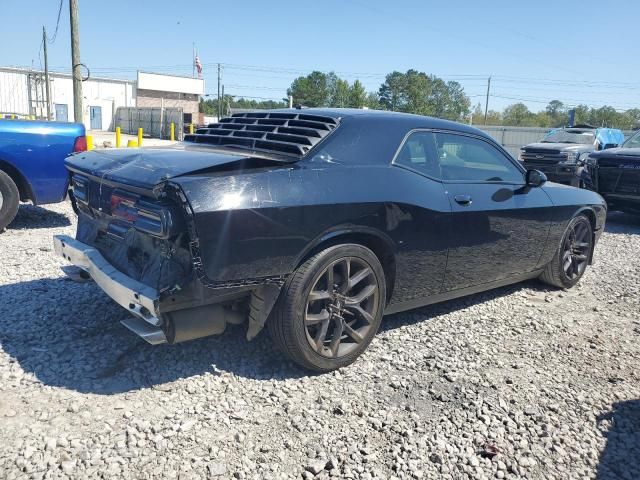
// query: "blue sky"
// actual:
[[536, 51]]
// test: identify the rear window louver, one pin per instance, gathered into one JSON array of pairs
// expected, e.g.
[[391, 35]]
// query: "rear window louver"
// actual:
[[287, 133]]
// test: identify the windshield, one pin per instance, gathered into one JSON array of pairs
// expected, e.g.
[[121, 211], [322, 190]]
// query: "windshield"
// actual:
[[569, 136], [633, 142]]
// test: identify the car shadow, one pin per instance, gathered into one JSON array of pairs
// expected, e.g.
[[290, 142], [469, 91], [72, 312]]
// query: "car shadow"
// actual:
[[33, 216], [618, 222], [417, 315], [620, 459], [67, 334]]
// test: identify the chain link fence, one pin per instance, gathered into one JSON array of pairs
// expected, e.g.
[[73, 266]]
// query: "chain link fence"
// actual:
[[155, 121]]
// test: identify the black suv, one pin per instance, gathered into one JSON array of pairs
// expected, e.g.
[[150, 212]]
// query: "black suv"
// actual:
[[563, 151], [615, 174]]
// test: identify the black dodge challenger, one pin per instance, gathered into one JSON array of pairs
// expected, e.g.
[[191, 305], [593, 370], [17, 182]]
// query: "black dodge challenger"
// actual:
[[315, 223]]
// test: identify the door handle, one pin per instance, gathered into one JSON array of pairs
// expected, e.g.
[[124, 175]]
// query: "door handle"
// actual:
[[463, 199]]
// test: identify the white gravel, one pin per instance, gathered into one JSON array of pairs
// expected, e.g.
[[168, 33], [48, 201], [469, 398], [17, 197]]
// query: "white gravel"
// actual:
[[521, 382]]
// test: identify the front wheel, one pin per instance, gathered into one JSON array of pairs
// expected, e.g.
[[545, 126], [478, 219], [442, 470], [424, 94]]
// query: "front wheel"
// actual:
[[330, 308], [9, 200], [572, 257]]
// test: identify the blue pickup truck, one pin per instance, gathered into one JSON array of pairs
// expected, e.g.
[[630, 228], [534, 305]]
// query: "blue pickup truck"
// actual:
[[32, 167]]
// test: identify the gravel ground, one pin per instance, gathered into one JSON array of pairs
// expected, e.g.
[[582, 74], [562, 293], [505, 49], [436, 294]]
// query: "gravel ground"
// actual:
[[520, 382]]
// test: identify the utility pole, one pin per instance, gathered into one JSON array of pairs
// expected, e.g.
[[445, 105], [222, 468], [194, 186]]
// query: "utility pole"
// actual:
[[224, 114], [78, 115], [219, 109], [46, 73], [486, 105]]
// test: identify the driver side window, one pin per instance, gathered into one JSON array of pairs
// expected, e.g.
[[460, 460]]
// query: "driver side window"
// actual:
[[471, 159]]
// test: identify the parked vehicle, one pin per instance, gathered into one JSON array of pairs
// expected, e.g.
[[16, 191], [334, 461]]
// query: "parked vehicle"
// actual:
[[563, 151], [615, 174], [317, 222], [32, 162]]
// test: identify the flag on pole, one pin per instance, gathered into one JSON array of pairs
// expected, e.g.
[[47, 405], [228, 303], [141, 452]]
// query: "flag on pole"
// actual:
[[198, 65]]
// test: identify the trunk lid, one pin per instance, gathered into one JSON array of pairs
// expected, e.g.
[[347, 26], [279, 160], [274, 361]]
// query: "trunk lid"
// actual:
[[147, 167]]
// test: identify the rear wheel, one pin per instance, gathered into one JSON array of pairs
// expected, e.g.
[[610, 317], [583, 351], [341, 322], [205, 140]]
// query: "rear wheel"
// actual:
[[330, 308], [572, 257], [9, 200]]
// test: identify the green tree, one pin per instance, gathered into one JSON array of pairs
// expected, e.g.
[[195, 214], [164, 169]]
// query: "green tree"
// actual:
[[417, 92], [543, 119], [357, 95], [373, 101], [605, 117], [392, 90], [557, 112], [493, 118], [517, 115], [311, 91], [582, 114], [632, 118], [340, 94]]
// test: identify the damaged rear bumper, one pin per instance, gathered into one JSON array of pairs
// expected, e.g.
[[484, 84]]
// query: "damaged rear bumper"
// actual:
[[138, 298]]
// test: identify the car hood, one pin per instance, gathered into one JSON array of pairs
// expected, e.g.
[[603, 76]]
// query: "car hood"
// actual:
[[626, 153], [147, 167], [559, 146]]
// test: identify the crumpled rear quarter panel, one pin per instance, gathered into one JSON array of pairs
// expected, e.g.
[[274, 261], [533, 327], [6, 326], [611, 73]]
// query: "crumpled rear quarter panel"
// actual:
[[260, 224]]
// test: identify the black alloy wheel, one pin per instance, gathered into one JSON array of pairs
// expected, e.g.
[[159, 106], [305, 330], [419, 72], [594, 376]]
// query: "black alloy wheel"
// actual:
[[572, 257], [341, 307], [575, 250], [330, 308]]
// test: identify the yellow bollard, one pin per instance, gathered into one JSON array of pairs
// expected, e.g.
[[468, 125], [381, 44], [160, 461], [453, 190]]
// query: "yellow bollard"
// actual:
[[139, 137], [118, 139], [132, 144], [89, 142], [173, 132], [191, 128]]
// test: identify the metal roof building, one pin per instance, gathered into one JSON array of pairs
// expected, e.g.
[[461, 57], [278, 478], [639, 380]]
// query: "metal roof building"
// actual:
[[22, 93]]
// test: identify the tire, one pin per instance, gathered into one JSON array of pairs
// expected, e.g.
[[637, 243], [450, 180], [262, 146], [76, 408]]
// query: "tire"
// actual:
[[572, 256], [9, 200], [298, 319]]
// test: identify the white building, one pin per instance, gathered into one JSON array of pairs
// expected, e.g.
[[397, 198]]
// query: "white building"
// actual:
[[22, 92]]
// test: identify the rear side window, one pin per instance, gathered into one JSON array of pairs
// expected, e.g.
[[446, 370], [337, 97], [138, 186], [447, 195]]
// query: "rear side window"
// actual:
[[418, 153], [470, 159]]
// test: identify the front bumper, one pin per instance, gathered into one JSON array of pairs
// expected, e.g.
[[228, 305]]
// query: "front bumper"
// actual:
[[138, 298]]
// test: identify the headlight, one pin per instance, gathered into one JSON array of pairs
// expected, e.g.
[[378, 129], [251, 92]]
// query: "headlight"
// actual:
[[572, 157]]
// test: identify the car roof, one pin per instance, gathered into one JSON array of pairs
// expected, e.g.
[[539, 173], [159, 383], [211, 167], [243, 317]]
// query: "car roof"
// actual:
[[410, 120]]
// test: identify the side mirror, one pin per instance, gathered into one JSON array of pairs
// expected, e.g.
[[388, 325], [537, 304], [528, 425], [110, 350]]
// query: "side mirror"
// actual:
[[535, 178]]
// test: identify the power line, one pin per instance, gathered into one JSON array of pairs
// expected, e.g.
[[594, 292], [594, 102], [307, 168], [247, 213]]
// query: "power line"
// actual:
[[55, 34], [304, 71]]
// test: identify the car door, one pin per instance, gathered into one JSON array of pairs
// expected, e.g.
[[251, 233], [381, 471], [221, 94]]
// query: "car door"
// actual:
[[498, 226], [419, 226]]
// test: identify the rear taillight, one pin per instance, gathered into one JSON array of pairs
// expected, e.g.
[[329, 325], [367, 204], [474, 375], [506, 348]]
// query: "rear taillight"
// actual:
[[80, 145], [143, 215], [124, 207]]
